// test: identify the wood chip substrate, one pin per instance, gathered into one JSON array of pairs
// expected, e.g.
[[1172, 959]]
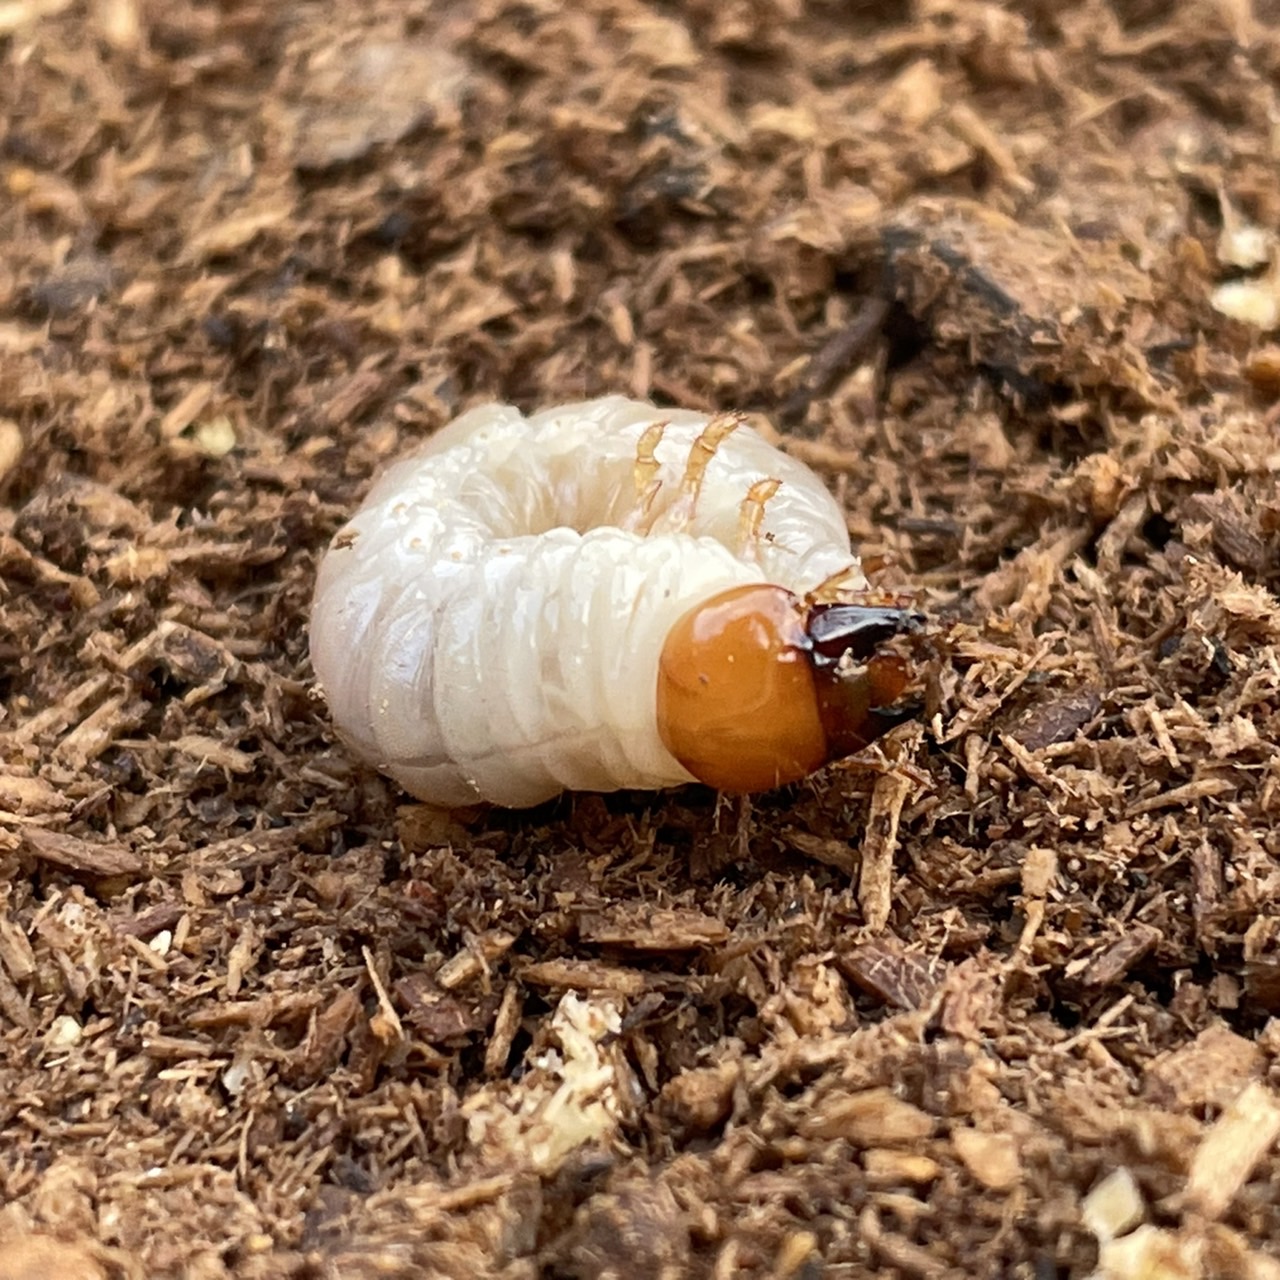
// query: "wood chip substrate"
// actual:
[[998, 998]]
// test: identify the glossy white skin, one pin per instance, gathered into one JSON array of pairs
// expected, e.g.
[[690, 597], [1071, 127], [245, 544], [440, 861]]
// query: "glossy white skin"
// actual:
[[488, 627]]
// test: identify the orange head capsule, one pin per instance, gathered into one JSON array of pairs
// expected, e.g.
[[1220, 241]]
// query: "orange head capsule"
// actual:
[[757, 688]]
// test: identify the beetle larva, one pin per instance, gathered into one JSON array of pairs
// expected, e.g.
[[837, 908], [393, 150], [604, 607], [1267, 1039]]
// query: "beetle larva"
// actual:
[[602, 595]]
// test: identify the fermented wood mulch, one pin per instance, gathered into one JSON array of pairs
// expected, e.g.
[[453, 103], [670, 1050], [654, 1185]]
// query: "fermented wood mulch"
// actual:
[[998, 998]]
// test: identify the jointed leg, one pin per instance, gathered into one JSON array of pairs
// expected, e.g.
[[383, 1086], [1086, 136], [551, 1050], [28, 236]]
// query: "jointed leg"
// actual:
[[751, 515], [716, 432], [703, 449], [647, 471]]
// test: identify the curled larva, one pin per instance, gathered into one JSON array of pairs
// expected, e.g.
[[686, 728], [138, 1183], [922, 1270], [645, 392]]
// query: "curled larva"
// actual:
[[602, 595]]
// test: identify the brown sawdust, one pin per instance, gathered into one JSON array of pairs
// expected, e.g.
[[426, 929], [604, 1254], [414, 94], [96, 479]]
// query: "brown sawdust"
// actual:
[[260, 1017]]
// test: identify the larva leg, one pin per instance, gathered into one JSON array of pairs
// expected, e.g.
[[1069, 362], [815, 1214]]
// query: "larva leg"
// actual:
[[751, 516], [703, 449], [647, 472]]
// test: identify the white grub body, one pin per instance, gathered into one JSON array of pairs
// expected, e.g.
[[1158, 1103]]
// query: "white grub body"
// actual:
[[489, 624]]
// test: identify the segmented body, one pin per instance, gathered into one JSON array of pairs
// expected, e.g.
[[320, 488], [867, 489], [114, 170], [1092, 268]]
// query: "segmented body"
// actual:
[[489, 625]]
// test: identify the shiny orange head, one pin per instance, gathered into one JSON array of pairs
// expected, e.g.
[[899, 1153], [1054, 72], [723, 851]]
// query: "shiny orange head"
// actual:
[[757, 687]]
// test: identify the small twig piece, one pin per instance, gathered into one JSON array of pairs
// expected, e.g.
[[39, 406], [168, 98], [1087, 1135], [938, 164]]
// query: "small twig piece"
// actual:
[[838, 355], [876, 882], [74, 854], [385, 1024], [1232, 1148]]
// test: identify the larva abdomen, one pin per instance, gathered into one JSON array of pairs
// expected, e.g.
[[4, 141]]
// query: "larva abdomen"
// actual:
[[538, 704]]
